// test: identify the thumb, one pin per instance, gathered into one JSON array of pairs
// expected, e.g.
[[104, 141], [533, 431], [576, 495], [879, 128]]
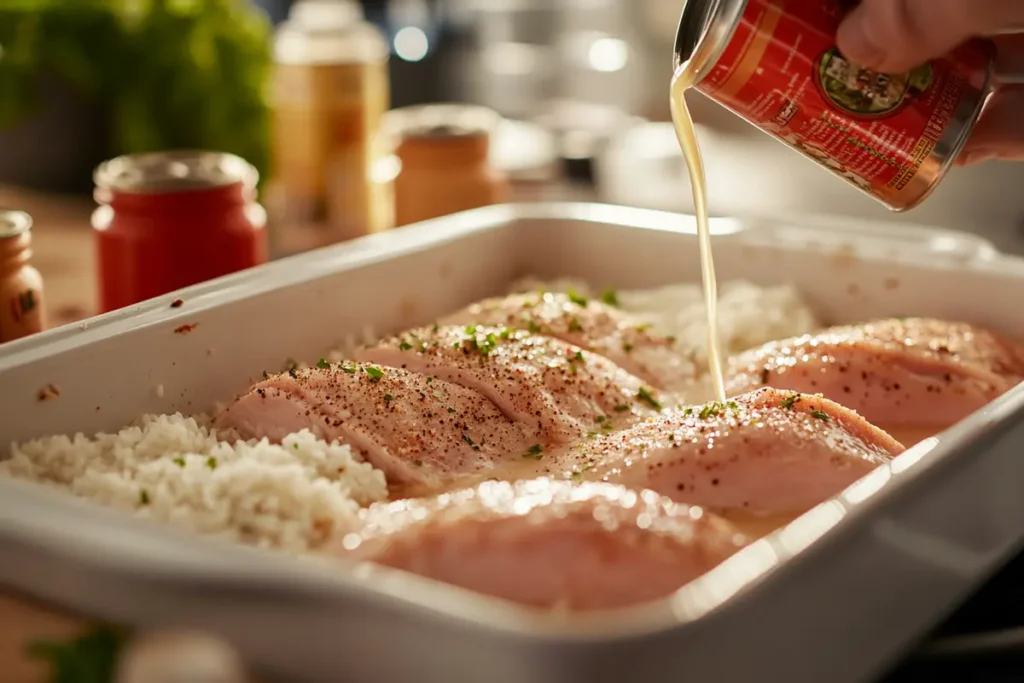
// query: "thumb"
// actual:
[[893, 36]]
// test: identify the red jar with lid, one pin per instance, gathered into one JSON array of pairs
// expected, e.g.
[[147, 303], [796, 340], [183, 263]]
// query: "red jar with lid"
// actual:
[[168, 220]]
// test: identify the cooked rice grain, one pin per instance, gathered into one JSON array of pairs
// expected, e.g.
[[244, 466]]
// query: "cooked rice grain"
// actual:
[[175, 469]]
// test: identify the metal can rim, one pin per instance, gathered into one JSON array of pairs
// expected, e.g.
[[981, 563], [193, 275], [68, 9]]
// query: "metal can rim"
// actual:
[[14, 223], [127, 173], [714, 22]]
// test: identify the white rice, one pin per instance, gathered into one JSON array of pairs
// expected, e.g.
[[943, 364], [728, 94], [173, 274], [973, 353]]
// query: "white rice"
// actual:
[[175, 469], [748, 315], [292, 496]]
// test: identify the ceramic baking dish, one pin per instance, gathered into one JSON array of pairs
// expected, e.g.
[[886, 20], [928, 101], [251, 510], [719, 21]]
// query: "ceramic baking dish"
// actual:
[[835, 596]]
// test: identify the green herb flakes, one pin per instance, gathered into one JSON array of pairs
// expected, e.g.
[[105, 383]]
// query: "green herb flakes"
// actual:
[[790, 401], [211, 462], [610, 297], [534, 452], [374, 373], [576, 297], [323, 364], [647, 397], [820, 415], [404, 346]]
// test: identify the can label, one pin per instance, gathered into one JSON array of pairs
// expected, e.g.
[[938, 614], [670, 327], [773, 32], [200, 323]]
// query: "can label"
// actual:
[[782, 72]]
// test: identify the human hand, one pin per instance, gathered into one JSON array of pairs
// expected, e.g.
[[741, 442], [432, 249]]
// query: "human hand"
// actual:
[[893, 36]]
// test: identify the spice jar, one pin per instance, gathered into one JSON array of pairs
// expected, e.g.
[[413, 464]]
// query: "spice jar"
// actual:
[[444, 151], [330, 91], [168, 220], [21, 285]]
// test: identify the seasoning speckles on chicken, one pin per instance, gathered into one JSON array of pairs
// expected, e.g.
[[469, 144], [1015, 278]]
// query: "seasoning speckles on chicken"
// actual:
[[547, 544], [913, 377], [591, 325], [421, 431], [545, 383], [767, 453]]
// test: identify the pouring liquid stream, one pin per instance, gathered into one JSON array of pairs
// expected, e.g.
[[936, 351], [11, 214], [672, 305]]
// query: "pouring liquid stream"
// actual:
[[684, 77]]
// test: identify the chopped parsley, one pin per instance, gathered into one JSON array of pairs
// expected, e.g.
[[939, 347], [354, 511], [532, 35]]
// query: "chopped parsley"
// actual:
[[647, 397], [180, 462], [349, 369], [470, 329], [532, 327], [576, 297], [820, 415], [451, 410], [534, 452], [404, 346], [144, 497], [790, 401], [505, 333], [627, 347], [577, 475], [716, 409], [465, 437], [620, 409], [601, 418], [574, 325], [610, 297], [323, 363], [578, 356], [211, 462], [374, 373], [436, 327], [388, 398]]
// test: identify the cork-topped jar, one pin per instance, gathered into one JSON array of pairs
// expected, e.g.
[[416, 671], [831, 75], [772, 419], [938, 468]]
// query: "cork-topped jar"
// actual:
[[21, 285], [444, 150]]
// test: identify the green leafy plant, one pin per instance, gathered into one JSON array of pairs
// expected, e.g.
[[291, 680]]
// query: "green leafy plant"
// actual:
[[169, 74], [89, 658]]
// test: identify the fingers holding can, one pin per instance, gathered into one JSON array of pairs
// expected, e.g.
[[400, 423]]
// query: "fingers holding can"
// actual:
[[893, 36]]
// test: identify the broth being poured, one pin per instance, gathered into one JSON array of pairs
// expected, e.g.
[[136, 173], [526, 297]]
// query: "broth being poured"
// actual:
[[685, 76]]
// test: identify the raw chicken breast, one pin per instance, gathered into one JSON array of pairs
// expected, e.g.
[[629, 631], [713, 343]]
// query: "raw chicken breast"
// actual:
[[547, 543], [423, 432], [540, 382], [590, 325], [767, 454], [912, 377]]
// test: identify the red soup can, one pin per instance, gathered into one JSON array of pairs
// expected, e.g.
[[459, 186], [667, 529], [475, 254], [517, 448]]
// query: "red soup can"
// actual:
[[167, 220], [775, 64]]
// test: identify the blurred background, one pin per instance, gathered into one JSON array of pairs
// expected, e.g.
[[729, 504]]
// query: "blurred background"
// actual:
[[578, 89]]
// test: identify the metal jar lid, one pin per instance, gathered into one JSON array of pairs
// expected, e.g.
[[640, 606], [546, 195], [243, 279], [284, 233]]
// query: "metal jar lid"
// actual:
[[14, 223], [174, 171], [439, 121]]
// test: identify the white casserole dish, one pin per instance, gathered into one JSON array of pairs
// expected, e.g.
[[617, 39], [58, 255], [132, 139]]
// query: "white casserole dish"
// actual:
[[835, 596]]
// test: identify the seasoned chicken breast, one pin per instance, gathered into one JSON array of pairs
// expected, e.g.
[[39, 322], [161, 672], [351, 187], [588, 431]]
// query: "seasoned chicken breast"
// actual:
[[912, 377], [540, 382], [423, 432], [768, 455], [547, 543], [590, 325]]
